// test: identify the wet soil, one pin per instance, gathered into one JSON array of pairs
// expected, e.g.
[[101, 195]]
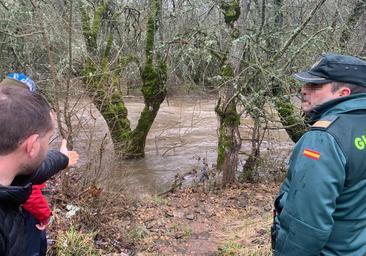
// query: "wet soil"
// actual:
[[193, 222]]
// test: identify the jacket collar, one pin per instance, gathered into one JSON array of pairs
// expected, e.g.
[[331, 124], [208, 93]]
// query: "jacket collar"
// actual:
[[339, 106], [15, 195]]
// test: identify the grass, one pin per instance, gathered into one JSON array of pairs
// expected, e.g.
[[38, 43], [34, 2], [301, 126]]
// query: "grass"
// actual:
[[249, 236], [75, 243], [137, 233], [182, 228]]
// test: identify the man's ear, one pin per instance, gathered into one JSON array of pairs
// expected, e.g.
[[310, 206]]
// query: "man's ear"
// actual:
[[344, 91], [31, 145]]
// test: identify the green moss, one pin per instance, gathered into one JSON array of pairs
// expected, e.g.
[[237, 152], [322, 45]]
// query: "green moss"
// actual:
[[137, 144], [108, 47], [89, 70], [227, 71], [231, 11], [85, 22], [91, 27], [115, 114], [223, 144], [151, 81], [228, 118], [294, 124], [150, 33], [94, 30]]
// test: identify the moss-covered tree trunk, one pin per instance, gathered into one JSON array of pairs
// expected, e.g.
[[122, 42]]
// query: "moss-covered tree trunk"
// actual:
[[100, 80], [229, 141], [153, 76]]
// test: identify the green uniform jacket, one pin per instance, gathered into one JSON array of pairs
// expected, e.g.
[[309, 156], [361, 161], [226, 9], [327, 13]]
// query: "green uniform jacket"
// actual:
[[322, 202]]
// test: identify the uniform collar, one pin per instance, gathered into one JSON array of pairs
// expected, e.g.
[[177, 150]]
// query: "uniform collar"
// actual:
[[338, 106]]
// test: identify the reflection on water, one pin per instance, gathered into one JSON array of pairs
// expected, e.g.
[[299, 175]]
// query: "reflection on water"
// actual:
[[184, 132]]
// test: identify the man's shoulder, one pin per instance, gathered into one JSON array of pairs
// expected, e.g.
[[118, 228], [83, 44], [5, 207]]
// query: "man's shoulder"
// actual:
[[324, 123]]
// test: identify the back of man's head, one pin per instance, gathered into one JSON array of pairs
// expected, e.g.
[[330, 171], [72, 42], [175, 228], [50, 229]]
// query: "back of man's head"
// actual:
[[22, 114]]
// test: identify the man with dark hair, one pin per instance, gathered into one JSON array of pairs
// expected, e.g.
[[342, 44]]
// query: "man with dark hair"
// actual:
[[26, 123], [26, 128], [321, 206]]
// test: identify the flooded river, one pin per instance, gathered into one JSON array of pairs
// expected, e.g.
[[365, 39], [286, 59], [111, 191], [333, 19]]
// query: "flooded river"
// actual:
[[184, 133]]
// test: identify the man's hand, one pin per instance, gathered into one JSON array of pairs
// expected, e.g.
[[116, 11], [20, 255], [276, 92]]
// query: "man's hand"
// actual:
[[72, 155]]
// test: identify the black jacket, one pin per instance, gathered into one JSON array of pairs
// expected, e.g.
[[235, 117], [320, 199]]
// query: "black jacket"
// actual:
[[13, 233]]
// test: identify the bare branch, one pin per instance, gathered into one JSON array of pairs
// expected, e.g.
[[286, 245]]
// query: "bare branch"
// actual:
[[294, 35]]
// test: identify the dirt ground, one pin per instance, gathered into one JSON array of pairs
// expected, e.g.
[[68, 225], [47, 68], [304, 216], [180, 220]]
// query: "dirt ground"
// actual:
[[231, 221], [234, 221]]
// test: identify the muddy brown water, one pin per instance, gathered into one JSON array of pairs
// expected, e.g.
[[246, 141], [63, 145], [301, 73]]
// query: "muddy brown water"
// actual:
[[183, 134]]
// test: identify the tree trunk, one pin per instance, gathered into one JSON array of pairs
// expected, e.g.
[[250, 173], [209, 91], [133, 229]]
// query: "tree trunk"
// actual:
[[108, 98], [153, 76], [100, 80], [229, 142]]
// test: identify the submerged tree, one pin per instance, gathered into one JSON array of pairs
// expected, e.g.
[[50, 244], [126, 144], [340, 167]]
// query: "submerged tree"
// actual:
[[153, 74], [101, 78]]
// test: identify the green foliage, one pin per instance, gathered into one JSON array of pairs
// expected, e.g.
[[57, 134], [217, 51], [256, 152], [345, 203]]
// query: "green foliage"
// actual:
[[75, 243], [231, 11]]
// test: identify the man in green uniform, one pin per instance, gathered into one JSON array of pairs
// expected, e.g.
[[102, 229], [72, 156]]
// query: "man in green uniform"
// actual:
[[321, 207]]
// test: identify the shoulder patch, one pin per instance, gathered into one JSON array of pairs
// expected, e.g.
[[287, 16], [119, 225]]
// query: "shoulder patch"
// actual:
[[324, 123]]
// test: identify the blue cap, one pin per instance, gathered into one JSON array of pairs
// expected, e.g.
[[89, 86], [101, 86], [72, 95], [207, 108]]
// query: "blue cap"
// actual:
[[24, 79]]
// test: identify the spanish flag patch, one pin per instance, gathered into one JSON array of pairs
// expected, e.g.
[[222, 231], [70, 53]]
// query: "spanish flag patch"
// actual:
[[311, 154]]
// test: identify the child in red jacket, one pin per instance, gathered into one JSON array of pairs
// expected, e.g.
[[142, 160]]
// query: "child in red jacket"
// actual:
[[37, 204]]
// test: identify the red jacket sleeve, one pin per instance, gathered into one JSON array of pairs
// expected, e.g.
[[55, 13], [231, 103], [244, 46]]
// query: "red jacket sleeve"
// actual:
[[37, 204]]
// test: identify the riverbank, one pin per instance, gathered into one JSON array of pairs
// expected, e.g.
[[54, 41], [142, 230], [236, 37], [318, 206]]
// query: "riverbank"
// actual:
[[190, 221]]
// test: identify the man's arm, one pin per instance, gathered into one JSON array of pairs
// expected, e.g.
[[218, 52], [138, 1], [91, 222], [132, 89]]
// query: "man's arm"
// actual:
[[317, 178], [54, 163]]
